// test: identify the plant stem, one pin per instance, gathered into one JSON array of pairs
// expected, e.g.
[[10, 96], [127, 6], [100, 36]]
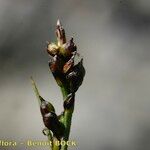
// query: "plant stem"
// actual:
[[67, 118], [67, 124], [55, 146], [64, 91]]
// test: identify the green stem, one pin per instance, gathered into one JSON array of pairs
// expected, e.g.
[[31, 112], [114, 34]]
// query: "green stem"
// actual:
[[55, 146], [65, 92], [67, 123], [67, 118]]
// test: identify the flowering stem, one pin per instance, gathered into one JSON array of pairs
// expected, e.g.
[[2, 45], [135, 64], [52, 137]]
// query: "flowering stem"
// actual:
[[69, 77]]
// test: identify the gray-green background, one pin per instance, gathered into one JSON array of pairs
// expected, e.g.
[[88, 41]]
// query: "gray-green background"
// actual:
[[112, 109]]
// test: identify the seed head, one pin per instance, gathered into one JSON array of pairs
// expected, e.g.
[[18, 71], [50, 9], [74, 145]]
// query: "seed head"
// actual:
[[62, 63]]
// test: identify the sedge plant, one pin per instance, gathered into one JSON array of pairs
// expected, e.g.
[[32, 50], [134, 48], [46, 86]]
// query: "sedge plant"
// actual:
[[69, 76]]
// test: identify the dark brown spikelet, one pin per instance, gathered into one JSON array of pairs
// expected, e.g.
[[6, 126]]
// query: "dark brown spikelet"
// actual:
[[75, 77], [52, 123]]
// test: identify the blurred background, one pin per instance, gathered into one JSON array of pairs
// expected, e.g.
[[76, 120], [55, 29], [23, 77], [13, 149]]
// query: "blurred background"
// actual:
[[113, 104]]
